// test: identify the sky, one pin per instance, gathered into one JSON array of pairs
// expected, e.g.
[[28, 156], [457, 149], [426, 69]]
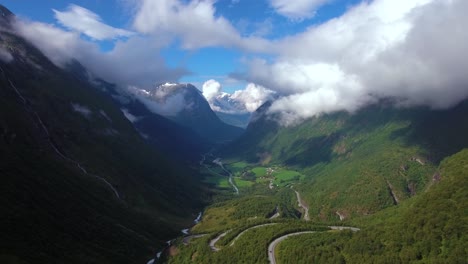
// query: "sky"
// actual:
[[315, 56], [207, 62]]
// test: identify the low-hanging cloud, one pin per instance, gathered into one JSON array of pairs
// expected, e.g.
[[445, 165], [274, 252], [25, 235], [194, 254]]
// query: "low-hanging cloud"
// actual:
[[163, 100], [252, 97], [412, 51], [134, 61], [5, 55], [241, 101], [84, 21]]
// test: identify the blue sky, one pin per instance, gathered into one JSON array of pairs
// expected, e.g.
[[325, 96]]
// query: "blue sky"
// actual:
[[317, 56], [205, 63]]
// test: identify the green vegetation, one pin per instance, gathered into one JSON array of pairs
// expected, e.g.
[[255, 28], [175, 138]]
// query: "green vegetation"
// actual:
[[351, 165], [284, 177], [53, 212], [251, 247], [259, 171], [391, 172], [429, 228], [377, 169]]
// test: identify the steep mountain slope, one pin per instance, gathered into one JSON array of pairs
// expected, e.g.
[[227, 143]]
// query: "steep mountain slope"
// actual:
[[182, 143], [185, 104], [79, 184], [356, 164], [429, 228], [238, 120]]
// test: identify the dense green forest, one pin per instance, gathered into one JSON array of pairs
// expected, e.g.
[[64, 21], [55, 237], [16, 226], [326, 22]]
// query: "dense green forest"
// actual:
[[428, 228]]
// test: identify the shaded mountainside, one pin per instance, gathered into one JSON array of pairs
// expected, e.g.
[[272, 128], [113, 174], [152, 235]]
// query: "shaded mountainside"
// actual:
[[356, 164], [238, 120], [196, 113], [180, 142], [79, 184]]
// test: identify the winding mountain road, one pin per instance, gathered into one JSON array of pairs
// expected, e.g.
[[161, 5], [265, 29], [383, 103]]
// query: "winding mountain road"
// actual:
[[250, 228], [219, 163], [272, 246], [301, 204], [216, 239]]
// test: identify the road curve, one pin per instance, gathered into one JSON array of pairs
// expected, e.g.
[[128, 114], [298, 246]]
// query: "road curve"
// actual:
[[216, 239], [272, 246], [218, 162], [301, 204], [253, 227]]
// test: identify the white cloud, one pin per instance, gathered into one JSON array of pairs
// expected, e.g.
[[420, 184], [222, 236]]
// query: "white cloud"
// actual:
[[194, 22], [129, 116], [241, 101], [253, 96], [167, 99], [84, 21], [5, 55], [211, 89], [410, 50], [62, 49], [297, 9], [135, 61], [82, 109]]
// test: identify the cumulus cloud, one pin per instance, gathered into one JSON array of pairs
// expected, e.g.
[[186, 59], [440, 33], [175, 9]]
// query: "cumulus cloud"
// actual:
[[62, 49], [135, 61], [241, 101], [412, 51], [5, 55], [194, 22], [211, 89], [163, 101], [84, 21], [253, 96], [297, 9]]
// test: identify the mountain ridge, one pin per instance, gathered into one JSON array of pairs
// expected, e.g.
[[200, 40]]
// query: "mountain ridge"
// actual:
[[63, 145], [184, 104]]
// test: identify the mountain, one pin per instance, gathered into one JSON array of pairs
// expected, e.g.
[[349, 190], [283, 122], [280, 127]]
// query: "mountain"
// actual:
[[236, 119], [184, 104], [357, 164], [180, 142], [79, 183], [236, 108], [429, 228]]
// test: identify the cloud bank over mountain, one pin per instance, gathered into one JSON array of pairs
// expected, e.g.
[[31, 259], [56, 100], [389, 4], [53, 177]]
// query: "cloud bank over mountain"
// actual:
[[413, 51], [241, 101]]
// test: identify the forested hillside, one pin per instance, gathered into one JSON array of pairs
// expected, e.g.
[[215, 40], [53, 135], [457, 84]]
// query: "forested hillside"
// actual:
[[79, 184]]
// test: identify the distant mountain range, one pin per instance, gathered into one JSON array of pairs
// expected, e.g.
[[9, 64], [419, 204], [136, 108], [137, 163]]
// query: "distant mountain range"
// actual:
[[185, 105]]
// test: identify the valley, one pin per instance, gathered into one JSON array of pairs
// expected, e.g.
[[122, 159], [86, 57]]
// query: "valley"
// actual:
[[273, 215], [239, 227], [342, 139]]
